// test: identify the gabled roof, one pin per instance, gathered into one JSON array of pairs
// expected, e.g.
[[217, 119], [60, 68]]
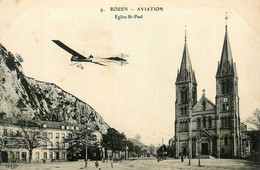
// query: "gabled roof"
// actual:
[[209, 105], [135, 142], [49, 124], [226, 65], [205, 132]]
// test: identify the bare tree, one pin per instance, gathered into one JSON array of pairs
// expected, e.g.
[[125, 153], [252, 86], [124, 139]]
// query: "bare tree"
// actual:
[[255, 119], [9, 141], [2, 142], [32, 136]]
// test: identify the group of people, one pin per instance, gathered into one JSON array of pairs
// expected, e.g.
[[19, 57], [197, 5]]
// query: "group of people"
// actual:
[[106, 161]]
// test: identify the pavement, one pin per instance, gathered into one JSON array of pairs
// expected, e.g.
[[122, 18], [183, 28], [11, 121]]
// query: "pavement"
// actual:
[[142, 164]]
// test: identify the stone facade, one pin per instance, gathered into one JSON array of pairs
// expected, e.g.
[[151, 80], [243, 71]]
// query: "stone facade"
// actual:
[[53, 149], [202, 126]]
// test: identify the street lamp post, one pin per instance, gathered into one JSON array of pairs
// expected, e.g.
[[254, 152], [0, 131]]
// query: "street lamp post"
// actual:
[[86, 140], [199, 147], [162, 150]]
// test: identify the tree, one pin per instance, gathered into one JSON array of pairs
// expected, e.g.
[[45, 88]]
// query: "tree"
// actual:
[[113, 140], [2, 142], [9, 140], [255, 119], [77, 141], [32, 136], [137, 150]]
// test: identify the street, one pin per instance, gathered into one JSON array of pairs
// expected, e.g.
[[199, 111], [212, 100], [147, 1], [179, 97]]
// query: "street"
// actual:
[[150, 164]]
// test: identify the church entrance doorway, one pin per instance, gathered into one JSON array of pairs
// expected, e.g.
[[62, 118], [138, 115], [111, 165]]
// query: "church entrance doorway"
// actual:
[[205, 149]]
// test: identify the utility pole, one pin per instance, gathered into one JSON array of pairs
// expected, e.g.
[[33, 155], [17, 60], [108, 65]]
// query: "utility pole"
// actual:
[[86, 140], [199, 146], [125, 147], [162, 150], [189, 156]]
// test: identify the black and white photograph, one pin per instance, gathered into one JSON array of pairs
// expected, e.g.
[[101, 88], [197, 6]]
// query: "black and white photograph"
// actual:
[[141, 84]]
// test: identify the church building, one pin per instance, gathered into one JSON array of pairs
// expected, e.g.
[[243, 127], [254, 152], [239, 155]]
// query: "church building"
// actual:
[[203, 127]]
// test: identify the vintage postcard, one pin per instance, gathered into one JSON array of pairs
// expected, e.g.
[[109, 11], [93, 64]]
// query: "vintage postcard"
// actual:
[[119, 84]]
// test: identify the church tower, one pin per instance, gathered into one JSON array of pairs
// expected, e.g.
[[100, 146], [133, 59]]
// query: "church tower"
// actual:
[[227, 104], [186, 98]]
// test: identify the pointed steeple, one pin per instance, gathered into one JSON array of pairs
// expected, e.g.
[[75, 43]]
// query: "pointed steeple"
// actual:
[[186, 73], [226, 65]]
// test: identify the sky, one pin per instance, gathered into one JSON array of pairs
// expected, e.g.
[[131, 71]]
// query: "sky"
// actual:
[[137, 98]]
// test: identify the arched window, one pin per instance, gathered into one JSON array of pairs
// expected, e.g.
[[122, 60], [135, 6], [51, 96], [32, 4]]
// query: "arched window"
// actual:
[[229, 121], [227, 86], [182, 95], [223, 87], [226, 121], [204, 105], [210, 122], [185, 110], [222, 122], [194, 95], [181, 110], [204, 122], [198, 123], [226, 140], [185, 95], [224, 107], [186, 125]]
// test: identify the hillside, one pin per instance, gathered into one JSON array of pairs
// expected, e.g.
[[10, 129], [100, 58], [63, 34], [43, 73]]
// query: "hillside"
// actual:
[[22, 96]]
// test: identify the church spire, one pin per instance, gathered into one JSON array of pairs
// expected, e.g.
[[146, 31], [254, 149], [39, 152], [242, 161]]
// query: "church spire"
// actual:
[[226, 65], [226, 18], [185, 35], [186, 73]]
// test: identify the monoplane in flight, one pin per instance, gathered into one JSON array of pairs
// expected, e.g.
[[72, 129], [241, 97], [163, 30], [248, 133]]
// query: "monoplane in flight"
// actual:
[[78, 58]]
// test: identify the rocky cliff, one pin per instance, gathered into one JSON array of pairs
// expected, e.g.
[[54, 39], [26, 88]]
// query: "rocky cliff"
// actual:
[[22, 96]]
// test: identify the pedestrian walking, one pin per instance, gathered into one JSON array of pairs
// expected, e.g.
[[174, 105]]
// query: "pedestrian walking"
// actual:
[[111, 164], [96, 164], [181, 158]]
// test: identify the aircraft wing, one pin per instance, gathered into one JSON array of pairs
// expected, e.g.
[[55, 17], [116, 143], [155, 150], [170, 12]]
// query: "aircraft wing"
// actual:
[[116, 59], [99, 63], [68, 49]]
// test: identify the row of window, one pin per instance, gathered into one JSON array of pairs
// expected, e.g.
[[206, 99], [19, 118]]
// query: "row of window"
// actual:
[[184, 126], [12, 133], [225, 87], [44, 144], [203, 123], [184, 110], [17, 133], [225, 107], [185, 95], [225, 121], [52, 155], [57, 145], [57, 135]]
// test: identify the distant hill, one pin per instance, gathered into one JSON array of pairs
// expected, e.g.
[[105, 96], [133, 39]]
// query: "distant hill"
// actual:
[[22, 96]]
